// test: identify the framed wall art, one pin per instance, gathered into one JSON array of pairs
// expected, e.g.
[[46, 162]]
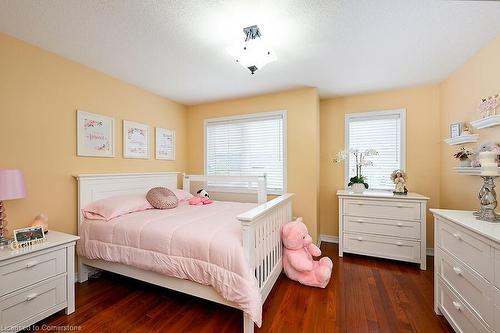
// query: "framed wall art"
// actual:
[[95, 135], [165, 144], [135, 140]]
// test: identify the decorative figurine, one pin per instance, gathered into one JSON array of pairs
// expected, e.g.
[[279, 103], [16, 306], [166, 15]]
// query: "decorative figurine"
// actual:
[[43, 220], [398, 177]]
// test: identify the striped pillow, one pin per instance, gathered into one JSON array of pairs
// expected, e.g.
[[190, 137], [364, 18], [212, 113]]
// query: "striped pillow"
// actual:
[[162, 198]]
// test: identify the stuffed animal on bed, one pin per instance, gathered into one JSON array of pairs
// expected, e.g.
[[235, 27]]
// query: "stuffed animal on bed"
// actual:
[[201, 198], [298, 255]]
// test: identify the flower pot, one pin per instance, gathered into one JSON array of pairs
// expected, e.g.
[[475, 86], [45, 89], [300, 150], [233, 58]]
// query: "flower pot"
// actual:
[[358, 188], [464, 163]]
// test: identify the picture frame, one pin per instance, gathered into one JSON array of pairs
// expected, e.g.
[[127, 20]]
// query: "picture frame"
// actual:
[[135, 140], [30, 235], [165, 144], [95, 135], [456, 130]]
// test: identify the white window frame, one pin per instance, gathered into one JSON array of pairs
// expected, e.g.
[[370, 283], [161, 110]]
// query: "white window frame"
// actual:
[[249, 116], [374, 114]]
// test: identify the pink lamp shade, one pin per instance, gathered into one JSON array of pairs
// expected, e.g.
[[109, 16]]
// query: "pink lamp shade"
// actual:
[[11, 185]]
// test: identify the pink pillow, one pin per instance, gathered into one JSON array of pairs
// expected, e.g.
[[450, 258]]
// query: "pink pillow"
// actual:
[[109, 208], [162, 198], [181, 194]]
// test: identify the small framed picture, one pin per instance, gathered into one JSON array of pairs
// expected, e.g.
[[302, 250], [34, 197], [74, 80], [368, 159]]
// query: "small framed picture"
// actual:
[[165, 144], [29, 235], [135, 140], [455, 130]]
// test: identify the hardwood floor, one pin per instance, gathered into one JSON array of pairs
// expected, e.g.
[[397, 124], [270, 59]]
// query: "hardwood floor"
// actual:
[[364, 295]]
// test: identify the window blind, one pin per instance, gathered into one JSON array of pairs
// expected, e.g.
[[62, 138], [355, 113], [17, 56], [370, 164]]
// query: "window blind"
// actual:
[[247, 146], [383, 133]]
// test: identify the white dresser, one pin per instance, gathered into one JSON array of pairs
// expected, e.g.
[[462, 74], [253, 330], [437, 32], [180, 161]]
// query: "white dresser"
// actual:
[[467, 271], [381, 224], [37, 282]]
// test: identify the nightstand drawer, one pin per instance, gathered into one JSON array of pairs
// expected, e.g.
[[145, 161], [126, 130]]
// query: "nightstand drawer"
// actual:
[[19, 274], [33, 301], [397, 228], [398, 210]]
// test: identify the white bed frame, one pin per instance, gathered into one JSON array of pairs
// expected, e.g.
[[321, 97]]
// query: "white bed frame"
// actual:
[[260, 228]]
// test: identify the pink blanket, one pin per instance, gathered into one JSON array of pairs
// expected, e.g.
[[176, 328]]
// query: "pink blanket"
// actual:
[[198, 243]]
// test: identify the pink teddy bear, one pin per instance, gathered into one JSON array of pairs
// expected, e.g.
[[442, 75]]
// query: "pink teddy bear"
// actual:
[[298, 255]]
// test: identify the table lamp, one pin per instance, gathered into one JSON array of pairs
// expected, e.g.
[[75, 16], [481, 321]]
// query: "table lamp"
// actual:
[[487, 194], [11, 187]]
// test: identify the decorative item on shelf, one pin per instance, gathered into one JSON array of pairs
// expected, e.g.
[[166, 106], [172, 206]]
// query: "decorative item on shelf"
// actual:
[[463, 155], [41, 220], [399, 178], [11, 187], [455, 130], [27, 237], [357, 183], [487, 106], [466, 130], [487, 194]]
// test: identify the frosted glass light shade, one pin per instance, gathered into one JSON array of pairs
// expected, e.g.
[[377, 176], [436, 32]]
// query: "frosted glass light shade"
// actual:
[[254, 52]]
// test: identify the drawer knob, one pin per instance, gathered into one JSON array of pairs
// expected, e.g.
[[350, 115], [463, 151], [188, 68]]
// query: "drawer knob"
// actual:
[[31, 297], [400, 224], [31, 264], [457, 236], [399, 244], [457, 305], [360, 238], [359, 221], [400, 206], [457, 270]]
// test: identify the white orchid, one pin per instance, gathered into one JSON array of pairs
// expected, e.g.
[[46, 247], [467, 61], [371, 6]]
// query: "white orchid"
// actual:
[[360, 162]]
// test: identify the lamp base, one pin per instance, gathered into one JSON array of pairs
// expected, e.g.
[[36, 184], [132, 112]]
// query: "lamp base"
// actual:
[[5, 241]]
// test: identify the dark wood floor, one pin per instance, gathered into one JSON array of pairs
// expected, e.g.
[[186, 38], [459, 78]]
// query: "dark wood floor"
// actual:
[[364, 295]]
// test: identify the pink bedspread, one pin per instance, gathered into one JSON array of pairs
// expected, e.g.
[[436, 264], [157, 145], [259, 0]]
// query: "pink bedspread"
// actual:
[[198, 243]]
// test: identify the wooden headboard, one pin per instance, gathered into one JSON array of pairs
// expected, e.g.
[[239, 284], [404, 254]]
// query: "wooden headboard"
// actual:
[[92, 187]]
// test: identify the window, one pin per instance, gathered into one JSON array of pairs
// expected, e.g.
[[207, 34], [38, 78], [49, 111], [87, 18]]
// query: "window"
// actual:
[[384, 131], [250, 145]]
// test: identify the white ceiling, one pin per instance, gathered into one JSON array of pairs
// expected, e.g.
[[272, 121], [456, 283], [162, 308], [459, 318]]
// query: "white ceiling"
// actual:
[[177, 48]]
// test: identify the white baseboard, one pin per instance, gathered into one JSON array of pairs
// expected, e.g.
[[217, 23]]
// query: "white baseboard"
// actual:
[[335, 239], [328, 239]]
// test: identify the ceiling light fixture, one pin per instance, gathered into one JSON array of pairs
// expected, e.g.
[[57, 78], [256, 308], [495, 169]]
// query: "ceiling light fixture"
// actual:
[[253, 53]]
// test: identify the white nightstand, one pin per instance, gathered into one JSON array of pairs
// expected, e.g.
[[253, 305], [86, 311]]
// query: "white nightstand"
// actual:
[[37, 282]]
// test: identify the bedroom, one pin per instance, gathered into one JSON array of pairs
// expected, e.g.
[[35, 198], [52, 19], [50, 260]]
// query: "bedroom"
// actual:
[[421, 67]]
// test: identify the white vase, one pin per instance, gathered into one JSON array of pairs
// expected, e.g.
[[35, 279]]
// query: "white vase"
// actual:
[[464, 163], [358, 188]]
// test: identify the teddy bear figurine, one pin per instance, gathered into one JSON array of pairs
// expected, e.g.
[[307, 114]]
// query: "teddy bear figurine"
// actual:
[[298, 255]]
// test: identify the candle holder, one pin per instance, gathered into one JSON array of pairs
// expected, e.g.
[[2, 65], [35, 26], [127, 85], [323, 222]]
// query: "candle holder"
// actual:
[[488, 199]]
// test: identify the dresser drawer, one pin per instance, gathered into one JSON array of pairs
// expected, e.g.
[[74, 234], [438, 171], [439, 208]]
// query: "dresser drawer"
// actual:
[[398, 210], [496, 309], [461, 317], [468, 247], [380, 246], [497, 268], [475, 290], [18, 274], [33, 301], [397, 228]]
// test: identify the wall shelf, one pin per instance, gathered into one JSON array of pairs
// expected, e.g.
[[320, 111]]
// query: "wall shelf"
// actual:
[[486, 122], [470, 171], [470, 138]]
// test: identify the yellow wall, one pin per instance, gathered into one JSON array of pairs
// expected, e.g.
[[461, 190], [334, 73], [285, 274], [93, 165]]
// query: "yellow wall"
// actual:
[[460, 96], [39, 95], [422, 153], [303, 141]]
